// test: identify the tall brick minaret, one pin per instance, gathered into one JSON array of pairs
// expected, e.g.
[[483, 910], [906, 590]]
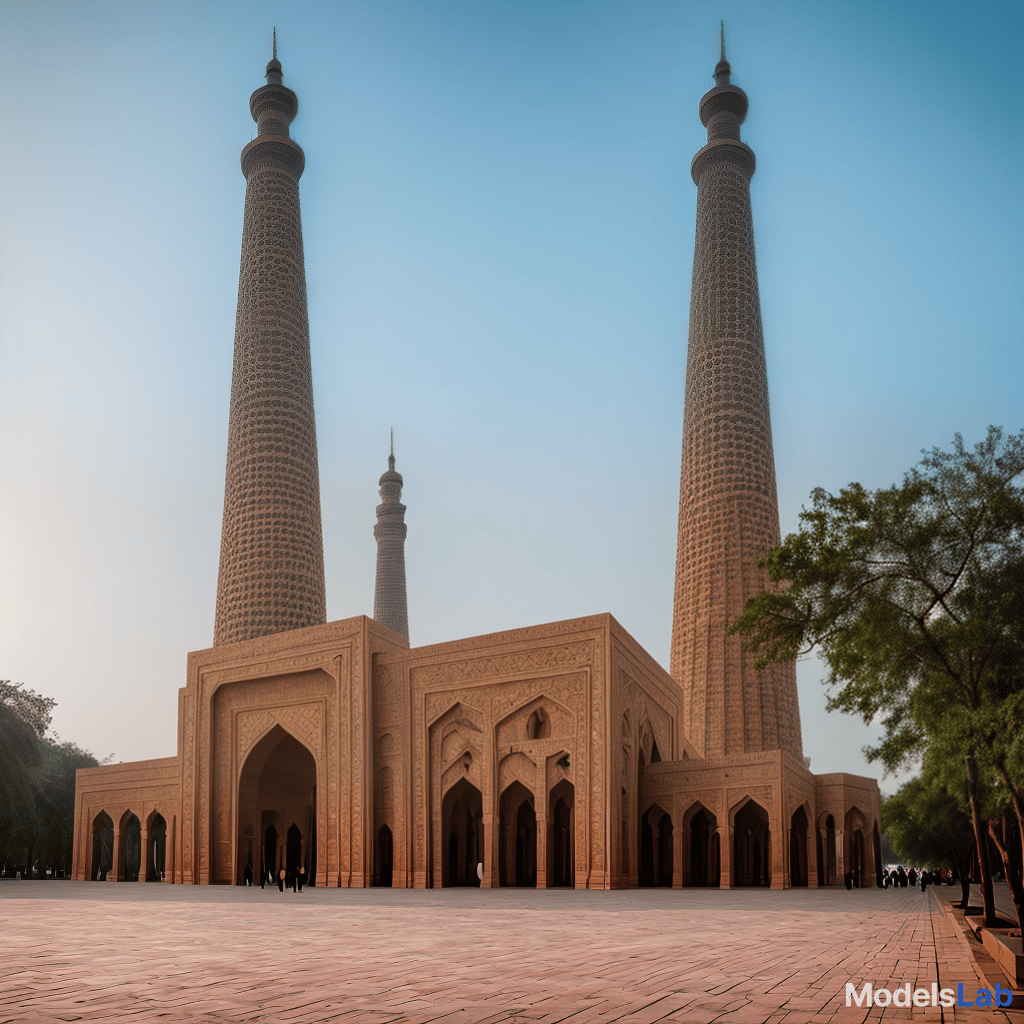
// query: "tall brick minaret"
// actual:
[[728, 508], [271, 555], [390, 607]]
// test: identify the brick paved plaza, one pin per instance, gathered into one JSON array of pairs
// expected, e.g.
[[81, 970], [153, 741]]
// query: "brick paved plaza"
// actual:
[[136, 952]]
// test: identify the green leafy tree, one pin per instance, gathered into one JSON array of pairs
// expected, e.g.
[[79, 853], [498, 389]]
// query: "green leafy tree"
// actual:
[[37, 784], [914, 597], [928, 825], [20, 758]]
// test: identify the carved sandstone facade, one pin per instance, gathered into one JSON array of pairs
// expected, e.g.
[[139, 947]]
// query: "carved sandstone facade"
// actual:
[[556, 755]]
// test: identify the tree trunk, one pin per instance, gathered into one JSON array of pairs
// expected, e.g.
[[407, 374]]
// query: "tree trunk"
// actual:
[[1001, 837], [981, 838], [963, 870]]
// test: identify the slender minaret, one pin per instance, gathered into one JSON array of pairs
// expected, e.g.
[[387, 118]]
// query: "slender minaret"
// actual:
[[271, 555], [728, 508], [389, 603]]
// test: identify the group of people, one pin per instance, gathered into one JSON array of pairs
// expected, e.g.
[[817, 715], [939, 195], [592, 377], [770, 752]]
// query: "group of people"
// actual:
[[899, 877], [293, 880]]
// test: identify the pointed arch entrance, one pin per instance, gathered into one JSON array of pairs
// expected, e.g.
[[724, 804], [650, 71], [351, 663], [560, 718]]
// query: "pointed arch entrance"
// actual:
[[826, 849], [854, 835], [751, 864], [277, 808], [156, 848], [517, 855], [798, 848], [102, 846], [704, 865], [562, 842], [383, 858], [462, 834], [655, 865], [131, 847]]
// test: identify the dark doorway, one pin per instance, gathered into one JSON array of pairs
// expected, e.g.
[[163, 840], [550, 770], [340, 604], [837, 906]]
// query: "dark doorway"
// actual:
[[384, 855], [517, 863], [462, 835], [102, 846], [131, 849], [656, 849], [798, 848], [751, 863], [703, 825], [277, 787], [156, 854], [562, 846], [270, 852], [830, 850], [294, 860], [856, 866], [876, 849]]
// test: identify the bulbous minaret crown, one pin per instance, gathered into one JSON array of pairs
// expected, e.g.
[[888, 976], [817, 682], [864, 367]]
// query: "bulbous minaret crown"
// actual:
[[728, 509], [273, 108], [390, 606], [722, 110], [271, 557]]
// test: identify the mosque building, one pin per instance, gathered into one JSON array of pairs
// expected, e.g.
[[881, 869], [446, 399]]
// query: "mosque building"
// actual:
[[554, 755]]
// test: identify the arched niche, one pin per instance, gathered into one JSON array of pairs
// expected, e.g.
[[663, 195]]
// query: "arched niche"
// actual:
[[656, 847], [798, 853], [277, 790], [517, 838], [854, 846], [102, 846], [704, 856], [383, 858], [130, 840], [561, 845], [751, 861], [156, 847], [462, 835]]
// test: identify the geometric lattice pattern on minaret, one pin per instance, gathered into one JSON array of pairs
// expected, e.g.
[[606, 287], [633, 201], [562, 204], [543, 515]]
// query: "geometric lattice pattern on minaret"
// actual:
[[390, 607], [271, 560], [728, 507]]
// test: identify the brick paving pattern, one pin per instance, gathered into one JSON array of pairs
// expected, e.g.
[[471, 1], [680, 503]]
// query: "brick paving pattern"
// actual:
[[214, 955]]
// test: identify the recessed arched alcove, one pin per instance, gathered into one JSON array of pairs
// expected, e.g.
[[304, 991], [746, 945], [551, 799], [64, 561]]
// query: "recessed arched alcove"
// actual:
[[517, 856], [462, 834], [751, 863], [277, 808], [102, 846], [798, 848], [156, 847], [131, 847], [703, 868], [561, 844]]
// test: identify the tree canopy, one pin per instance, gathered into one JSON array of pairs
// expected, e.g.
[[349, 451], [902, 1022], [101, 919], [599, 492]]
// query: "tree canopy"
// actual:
[[37, 784], [914, 597]]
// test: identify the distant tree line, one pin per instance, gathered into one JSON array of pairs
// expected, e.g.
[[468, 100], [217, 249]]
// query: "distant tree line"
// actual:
[[37, 787]]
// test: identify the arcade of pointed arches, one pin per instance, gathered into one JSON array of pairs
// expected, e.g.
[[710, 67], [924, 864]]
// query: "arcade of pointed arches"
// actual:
[[535, 827], [130, 850]]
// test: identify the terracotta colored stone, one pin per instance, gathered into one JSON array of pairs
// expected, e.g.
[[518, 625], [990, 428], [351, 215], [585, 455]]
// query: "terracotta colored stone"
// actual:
[[554, 755]]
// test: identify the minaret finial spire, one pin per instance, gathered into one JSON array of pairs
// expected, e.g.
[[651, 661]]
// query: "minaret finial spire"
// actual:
[[721, 26], [275, 44], [392, 442]]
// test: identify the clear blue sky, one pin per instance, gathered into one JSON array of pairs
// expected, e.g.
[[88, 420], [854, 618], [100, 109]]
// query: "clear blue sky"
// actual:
[[498, 220]]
